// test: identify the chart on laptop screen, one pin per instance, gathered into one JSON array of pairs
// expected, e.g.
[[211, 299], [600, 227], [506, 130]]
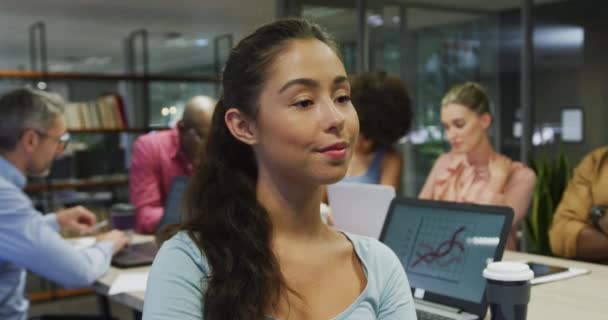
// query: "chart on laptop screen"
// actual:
[[440, 248]]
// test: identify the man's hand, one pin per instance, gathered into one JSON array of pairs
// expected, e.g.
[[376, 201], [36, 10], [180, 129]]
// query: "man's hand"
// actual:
[[118, 238], [78, 219]]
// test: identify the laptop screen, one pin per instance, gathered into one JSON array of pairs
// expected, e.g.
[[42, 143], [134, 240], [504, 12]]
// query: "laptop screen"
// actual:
[[360, 208], [444, 247], [173, 204]]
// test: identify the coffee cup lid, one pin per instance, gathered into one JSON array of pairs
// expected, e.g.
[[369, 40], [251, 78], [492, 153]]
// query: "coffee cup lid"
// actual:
[[508, 271]]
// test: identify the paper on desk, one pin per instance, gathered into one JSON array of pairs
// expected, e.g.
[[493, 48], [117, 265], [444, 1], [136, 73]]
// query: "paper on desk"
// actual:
[[571, 272], [129, 282]]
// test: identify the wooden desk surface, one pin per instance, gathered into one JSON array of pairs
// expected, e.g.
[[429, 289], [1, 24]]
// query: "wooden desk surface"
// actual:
[[582, 297], [133, 300]]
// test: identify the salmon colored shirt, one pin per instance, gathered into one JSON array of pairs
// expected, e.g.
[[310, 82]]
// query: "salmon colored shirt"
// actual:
[[157, 159], [454, 179]]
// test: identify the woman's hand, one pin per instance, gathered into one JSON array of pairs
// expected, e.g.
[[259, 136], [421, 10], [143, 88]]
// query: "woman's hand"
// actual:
[[500, 169]]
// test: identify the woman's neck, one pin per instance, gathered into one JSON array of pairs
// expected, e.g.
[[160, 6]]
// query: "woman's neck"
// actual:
[[292, 208], [481, 153]]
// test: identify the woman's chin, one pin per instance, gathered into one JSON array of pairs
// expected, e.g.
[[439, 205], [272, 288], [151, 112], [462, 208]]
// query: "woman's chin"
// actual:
[[333, 176], [458, 150]]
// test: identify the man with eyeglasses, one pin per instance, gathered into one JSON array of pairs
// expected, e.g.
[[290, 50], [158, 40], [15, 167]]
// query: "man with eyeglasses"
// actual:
[[32, 134], [159, 157]]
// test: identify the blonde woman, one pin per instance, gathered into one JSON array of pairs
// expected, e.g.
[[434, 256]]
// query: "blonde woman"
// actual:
[[472, 171]]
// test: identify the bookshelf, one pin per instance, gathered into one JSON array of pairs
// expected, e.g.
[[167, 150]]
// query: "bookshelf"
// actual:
[[76, 184], [122, 130], [128, 127]]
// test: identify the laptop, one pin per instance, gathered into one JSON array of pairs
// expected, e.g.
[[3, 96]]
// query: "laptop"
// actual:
[[359, 208], [142, 254], [173, 206], [444, 247]]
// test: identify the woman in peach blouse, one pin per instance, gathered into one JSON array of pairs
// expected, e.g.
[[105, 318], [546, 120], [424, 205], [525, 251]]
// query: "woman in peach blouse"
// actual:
[[473, 171]]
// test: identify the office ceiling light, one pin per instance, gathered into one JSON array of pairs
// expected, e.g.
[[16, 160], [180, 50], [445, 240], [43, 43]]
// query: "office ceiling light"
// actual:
[[201, 42], [375, 20], [61, 66], [97, 61], [177, 40], [559, 37]]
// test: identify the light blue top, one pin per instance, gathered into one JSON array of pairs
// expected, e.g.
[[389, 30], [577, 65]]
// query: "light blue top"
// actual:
[[178, 277], [372, 175], [29, 240]]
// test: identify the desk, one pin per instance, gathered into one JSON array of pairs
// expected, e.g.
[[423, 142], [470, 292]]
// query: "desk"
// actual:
[[133, 300], [581, 297]]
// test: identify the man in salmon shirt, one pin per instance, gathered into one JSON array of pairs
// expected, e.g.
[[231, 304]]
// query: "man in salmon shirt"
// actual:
[[159, 157]]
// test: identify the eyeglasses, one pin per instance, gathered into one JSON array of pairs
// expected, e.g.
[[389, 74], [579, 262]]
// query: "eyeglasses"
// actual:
[[62, 140]]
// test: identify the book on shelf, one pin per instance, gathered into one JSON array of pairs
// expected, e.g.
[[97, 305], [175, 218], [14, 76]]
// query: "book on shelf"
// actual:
[[105, 112]]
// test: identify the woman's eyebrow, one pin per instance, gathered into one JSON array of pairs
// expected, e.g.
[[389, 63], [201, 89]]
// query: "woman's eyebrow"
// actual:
[[311, 82], [301, 81]]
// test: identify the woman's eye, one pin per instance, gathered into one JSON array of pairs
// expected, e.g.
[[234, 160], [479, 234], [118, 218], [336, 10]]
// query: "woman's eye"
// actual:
[[459, 125], [303, 103], [343, 99]]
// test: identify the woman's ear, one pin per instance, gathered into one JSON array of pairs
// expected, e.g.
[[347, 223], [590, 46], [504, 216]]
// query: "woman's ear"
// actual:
[[241, 126], [486, 121]]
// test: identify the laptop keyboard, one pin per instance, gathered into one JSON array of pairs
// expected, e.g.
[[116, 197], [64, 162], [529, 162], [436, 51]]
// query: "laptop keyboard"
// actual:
[[423, 315], [148, 248]]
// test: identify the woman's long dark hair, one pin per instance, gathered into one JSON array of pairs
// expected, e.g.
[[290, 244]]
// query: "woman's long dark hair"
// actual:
[[223, 215]]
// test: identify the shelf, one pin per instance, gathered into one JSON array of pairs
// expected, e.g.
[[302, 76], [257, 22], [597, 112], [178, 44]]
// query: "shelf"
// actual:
[[76, 184], [16, 74], [132, 130], [44, 296]]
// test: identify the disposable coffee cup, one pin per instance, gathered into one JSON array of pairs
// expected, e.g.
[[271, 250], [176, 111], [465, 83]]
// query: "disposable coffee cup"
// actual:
[[508, 289], [122, 216]]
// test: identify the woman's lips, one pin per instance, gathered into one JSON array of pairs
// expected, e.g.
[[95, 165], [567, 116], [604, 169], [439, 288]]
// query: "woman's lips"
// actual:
[[336, 151]]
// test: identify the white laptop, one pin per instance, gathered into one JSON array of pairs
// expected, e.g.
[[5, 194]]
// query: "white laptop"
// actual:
[[359, 208], [444, 247]]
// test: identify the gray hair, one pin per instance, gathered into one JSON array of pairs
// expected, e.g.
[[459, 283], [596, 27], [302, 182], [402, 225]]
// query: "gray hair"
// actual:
[[24, 109]]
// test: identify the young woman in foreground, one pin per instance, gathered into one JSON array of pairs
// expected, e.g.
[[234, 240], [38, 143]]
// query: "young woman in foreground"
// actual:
[[253, 245], [473, 171]]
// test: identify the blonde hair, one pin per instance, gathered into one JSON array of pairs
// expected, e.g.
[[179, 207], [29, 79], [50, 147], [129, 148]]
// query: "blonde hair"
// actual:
[[469, 94]]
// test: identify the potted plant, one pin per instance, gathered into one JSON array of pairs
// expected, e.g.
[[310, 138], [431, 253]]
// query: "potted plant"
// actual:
[[552, 178]]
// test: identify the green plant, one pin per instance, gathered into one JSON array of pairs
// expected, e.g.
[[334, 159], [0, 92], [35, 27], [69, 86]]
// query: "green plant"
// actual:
[[552, 178]]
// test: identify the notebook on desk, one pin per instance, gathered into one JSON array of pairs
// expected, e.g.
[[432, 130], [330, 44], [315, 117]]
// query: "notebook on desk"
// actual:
[[444, 248], [142, 254], [359, 208]]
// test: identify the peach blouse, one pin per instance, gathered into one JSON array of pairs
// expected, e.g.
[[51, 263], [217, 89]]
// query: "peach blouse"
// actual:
[[454, 179]]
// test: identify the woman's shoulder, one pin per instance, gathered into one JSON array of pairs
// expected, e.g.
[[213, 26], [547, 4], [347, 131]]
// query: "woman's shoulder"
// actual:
[[373, 253], [391, 155], [182, 247], [522, 172]]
